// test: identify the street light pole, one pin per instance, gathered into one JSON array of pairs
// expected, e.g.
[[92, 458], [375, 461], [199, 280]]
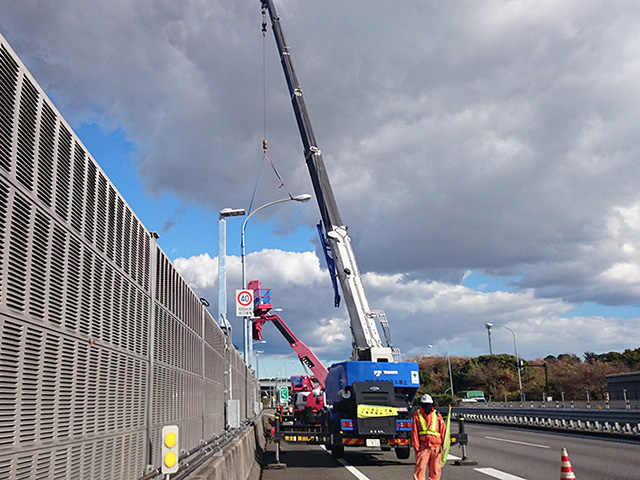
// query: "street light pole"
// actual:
[[222, 286], [258, 352], [223, 321], [488, 325], [248, 346], [449, 362], [253, 342], [515, 346]]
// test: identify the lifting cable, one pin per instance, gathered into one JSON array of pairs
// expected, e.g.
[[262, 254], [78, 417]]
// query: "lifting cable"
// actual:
[[264, 117]]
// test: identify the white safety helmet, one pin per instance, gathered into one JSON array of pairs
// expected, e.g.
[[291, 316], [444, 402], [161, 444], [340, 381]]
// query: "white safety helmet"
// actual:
[[426, 398]]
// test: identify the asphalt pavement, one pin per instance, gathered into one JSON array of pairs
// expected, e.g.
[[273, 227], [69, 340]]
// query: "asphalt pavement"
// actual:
[[300, 461], [501, 453]]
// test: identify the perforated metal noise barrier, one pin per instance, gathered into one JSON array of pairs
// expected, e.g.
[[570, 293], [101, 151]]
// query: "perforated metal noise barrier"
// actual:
[[102, 342]]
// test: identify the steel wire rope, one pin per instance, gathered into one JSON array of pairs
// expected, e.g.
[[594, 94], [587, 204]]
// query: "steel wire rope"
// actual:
[[264, 121]]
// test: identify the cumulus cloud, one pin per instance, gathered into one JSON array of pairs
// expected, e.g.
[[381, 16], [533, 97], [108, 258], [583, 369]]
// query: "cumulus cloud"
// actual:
[[420, 312]]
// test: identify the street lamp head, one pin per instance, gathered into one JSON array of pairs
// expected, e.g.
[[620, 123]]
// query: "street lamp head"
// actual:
[[304, 198], [488, 325], [232, 212], [429, 346]]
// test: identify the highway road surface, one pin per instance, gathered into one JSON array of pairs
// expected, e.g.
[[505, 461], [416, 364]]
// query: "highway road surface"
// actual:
[[502, 453]]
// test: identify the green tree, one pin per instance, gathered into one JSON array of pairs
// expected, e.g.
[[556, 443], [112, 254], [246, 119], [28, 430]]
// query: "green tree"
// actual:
[[496, 375]]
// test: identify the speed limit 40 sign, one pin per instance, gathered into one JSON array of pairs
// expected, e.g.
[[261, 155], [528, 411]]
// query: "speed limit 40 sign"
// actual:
[[244, 303]]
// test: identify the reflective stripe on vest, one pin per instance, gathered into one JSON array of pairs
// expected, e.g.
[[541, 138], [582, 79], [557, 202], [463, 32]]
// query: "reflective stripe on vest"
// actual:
[[432, 429]]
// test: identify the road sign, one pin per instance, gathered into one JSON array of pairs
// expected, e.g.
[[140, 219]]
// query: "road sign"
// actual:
[[284, 395], [244, 303]]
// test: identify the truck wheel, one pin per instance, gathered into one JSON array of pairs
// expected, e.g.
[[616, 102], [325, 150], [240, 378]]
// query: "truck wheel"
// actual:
[[402, 453], [337, 451]]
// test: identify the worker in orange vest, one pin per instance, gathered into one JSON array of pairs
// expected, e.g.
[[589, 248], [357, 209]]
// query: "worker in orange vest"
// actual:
[[427, 434]]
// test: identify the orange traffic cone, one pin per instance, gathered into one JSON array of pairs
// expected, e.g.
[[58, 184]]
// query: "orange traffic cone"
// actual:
[[566, 470]]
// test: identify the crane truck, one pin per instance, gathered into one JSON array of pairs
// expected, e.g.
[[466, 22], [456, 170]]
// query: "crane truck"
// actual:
[[369, 397]]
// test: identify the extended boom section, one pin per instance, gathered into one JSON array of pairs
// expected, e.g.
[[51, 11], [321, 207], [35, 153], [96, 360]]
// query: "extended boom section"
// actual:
[[367, 344]]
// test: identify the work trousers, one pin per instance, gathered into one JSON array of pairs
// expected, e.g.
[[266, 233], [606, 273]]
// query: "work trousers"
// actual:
[[430, 457]]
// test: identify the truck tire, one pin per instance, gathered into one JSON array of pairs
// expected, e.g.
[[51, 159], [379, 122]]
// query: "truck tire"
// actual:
[[337, 451], [403, 453]]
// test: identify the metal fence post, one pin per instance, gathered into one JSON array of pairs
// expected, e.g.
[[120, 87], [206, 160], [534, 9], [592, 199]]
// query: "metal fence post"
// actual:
[[153, 247]]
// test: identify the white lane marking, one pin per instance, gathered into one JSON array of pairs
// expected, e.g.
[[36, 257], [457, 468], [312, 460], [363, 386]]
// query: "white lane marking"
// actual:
[[361, 476], [492, 472], [519, 443], [351, 469]]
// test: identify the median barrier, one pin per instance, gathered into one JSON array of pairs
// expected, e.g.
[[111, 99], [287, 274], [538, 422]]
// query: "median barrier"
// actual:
[[619, 423]]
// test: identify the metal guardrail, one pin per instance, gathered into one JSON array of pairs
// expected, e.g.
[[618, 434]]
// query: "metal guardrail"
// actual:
[[550, 404], [619, 422]]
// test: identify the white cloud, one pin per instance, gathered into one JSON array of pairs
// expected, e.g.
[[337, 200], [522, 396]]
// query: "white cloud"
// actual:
[[420, 312], [288, 268], [200, 272]]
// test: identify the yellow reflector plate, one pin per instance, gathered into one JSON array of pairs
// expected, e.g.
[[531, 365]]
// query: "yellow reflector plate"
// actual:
[[170, 459], [368, 411], [170, 439]]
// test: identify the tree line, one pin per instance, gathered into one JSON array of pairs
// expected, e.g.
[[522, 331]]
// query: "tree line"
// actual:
[[552, 376]]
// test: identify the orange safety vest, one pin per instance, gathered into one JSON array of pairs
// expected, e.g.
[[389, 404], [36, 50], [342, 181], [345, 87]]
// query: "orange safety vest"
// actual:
[[433, 427]]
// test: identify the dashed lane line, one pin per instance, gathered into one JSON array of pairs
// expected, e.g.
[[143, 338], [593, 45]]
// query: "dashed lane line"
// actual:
[[361, 476], [519, 443], [351, 469], [492, 472]]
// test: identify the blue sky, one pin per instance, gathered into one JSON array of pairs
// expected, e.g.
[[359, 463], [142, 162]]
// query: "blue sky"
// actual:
[[487, 173]]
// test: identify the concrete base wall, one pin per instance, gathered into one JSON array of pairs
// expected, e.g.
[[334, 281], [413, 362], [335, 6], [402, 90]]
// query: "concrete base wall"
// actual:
[[240, 459]]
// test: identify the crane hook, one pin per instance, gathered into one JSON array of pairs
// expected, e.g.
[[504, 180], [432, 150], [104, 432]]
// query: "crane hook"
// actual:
[[264, 22]]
